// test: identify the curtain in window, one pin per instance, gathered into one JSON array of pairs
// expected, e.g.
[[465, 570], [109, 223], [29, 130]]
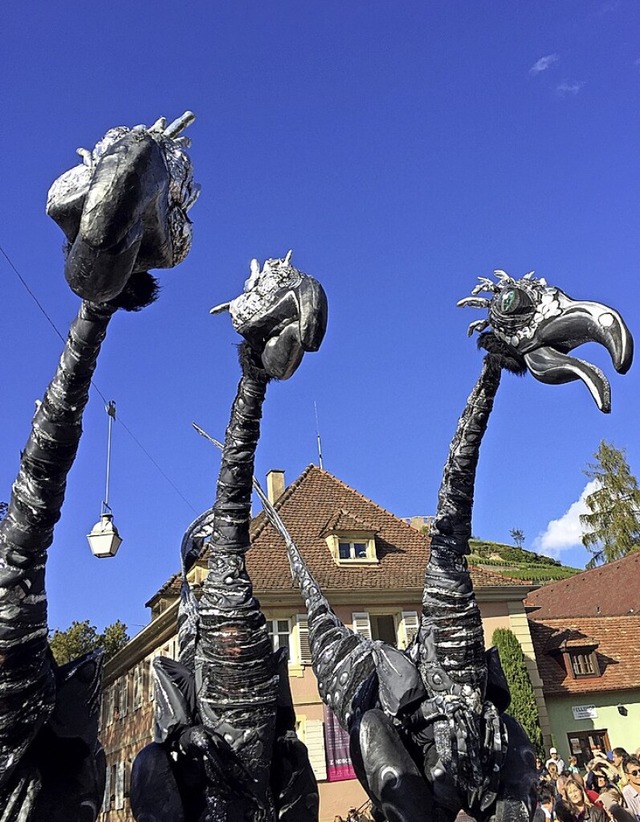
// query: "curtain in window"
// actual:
[[336, 741]]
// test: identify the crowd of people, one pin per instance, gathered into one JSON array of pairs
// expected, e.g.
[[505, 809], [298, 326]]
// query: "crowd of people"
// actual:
[[608, 790]]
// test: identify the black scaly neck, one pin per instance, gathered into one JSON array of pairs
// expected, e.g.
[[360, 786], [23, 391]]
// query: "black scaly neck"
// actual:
[[26, 680]]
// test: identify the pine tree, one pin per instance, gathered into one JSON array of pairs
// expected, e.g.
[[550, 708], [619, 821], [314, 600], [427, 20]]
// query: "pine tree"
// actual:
[[612, 526], [523, 701]]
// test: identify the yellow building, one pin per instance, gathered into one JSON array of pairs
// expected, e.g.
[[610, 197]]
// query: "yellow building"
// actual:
[[370, 565]]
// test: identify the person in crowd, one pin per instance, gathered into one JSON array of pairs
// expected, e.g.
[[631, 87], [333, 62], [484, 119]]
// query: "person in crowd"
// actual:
[[541, 771], [552, 776], [553, 757], [575, 806], [560, 783], [572, 766], [601, 781], [618, 755], [598, 767], [631, 791], [545, 812], [613, 802]]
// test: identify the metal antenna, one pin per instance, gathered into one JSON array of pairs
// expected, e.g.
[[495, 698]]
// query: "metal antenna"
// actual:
[[315, 406]]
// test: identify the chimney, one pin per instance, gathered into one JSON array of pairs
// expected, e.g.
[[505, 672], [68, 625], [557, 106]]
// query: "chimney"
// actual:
[[275, 485]]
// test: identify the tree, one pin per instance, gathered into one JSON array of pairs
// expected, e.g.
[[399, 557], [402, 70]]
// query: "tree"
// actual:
[[523, 701], [114, 638], [612, 526], [517, 536], [82, 637]]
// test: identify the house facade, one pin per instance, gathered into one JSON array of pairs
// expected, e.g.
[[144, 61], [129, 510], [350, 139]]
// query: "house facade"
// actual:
[[585, 631], [370, 565]]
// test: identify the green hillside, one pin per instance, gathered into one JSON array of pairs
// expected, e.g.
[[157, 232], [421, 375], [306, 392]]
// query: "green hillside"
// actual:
[[517, 563]]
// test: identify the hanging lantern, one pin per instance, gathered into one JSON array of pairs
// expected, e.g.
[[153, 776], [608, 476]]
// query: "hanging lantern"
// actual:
[[104, 539]]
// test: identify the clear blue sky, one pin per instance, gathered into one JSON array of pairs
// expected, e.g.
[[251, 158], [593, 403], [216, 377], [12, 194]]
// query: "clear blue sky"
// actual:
[[402, 149]]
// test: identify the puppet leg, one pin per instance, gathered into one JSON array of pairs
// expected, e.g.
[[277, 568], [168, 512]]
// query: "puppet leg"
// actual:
[[387, 772]]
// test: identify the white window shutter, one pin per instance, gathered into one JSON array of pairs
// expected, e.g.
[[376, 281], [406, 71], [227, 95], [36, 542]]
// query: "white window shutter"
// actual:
[[151, 680], [137, 687], [106, 799], [120, 786], [111, 703], [409, 625], [124, 699], [314, 740], [362, 623], [304, 656]]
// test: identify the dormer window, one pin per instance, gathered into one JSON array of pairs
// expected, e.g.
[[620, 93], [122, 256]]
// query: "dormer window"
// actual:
[[353, 548], [583, 663], [575, 652], [351, 540]]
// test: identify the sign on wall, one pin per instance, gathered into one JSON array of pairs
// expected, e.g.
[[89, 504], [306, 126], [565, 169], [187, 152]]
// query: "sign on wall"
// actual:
[[584, 711]]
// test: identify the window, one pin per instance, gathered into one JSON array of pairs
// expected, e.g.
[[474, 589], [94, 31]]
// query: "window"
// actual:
[[397, 629], [383, 627], [352, 550], [279, 631], [583, 663], [358, 548]]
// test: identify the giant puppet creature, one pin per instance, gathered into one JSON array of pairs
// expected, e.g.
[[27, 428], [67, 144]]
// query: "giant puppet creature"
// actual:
[[428, 732], [224, 747], [123, 211]]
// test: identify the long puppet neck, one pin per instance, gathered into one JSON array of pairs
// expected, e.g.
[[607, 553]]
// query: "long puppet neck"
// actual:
[[235, 656], [26, 686], [450, 636]]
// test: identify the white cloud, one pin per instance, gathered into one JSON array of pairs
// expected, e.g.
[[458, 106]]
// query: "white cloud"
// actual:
[[569, 87], [543, 63], [565, 532]]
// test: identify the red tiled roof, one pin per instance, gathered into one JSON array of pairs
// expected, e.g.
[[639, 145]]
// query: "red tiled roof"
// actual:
[[617, 652], [402, 550], [317, 500], [610, 590], [341, 521]]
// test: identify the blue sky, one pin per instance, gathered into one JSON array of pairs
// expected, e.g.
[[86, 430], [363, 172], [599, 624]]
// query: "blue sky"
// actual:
[[402, 149]]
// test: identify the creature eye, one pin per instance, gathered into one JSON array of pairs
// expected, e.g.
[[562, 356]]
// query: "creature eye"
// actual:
[[515, 301]]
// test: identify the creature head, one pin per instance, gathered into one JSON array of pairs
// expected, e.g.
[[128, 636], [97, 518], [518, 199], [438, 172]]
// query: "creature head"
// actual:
[[540, 325], [281, 314], [68, 194]]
